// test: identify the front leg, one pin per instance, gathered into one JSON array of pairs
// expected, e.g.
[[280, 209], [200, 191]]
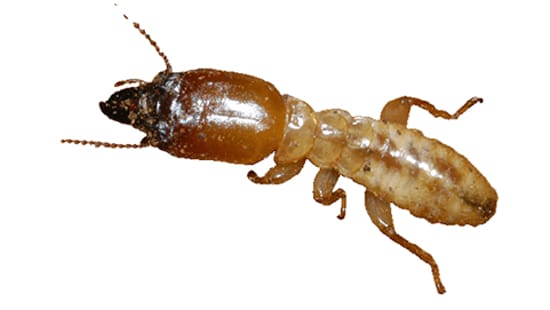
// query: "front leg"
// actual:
[[278, 174]]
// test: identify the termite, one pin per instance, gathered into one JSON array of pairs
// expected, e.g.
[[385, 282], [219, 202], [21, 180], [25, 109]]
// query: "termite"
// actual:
[[225, 116]]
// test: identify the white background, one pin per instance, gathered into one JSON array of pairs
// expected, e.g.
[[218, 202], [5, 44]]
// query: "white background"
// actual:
[[87, 228]]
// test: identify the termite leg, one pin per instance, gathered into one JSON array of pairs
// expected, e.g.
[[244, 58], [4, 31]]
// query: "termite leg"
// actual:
[[380, 214], [323, 190], [397, 110], [278, 174]]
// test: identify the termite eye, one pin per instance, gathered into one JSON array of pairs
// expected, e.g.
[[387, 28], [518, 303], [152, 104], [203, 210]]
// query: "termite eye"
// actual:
[[120, 104]]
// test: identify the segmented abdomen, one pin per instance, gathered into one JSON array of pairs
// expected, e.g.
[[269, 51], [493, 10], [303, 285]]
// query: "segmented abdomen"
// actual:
[[400, 165]]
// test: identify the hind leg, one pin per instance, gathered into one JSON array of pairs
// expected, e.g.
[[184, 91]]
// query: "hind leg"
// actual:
[[380, 214], [397, 110]]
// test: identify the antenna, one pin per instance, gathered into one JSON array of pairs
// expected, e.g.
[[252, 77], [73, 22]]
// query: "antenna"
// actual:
[[104, 144], [151, 41], [120, 83]]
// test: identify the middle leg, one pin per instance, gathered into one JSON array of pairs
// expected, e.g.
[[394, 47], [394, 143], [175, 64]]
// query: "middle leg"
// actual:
[[323, 190]]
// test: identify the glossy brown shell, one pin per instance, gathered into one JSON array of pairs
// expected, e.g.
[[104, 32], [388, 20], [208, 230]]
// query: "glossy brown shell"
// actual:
[[219, 115]]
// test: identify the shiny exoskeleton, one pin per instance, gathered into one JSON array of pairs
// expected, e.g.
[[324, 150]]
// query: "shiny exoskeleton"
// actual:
[[232, 117]]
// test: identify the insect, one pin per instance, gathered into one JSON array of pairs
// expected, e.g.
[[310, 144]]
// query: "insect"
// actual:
[[210, 114]]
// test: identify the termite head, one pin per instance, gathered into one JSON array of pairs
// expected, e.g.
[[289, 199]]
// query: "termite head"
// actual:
[[122, 106]]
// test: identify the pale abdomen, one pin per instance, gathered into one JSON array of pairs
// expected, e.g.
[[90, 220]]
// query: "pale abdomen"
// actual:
[[402, 166]]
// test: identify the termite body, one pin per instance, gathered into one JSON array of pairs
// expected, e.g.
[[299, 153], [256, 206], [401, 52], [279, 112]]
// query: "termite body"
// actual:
[[225, 116]]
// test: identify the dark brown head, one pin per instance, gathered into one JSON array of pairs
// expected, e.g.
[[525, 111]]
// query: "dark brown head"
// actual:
[[122, 106]]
